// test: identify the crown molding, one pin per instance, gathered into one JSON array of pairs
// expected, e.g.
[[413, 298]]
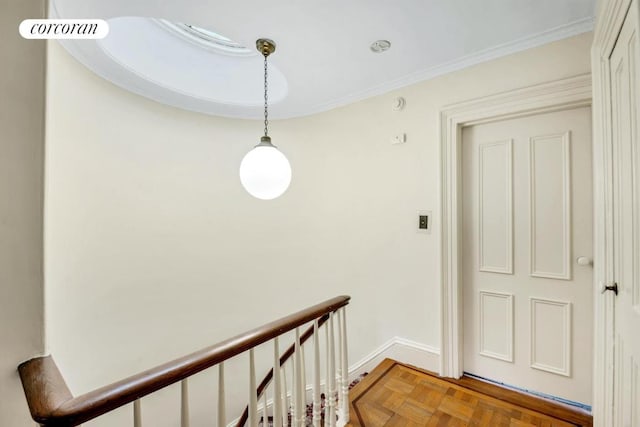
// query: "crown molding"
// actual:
[[558, 33]]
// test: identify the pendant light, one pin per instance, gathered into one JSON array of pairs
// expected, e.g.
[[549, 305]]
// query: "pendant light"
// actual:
[[264, 171]]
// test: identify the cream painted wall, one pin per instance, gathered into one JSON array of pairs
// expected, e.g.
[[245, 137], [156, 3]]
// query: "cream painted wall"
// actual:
[[21, 203], [153, 249]]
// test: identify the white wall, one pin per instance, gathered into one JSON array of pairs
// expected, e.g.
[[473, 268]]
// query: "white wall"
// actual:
[[153, 249], [21, 202]]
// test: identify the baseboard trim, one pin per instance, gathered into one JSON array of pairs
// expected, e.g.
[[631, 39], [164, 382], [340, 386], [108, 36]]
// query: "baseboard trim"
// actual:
[[403, 350]]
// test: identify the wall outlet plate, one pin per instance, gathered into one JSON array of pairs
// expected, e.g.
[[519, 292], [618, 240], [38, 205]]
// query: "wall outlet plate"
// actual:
[[424, 222]]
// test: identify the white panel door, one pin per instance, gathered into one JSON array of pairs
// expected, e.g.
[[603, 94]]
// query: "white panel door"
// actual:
[[527, 218], [626, 220]]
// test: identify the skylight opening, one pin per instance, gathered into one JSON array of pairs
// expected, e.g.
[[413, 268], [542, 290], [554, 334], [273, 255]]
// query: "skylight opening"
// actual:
[[207, 38]]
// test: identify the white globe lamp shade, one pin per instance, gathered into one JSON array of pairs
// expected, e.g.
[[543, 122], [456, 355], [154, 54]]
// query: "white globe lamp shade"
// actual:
[[265, 172]]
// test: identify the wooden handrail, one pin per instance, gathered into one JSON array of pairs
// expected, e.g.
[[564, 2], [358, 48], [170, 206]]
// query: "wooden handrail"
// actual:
[[52, 404]]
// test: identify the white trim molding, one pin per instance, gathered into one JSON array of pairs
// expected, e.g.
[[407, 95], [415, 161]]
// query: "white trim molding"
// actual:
[[553, 96], [571, 29], [402, 350], [611, 15], [507, 267], [565, 186], [565, 368], [508, 325]]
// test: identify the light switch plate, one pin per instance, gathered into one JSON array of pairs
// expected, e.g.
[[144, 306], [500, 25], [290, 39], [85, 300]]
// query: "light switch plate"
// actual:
[[424, 222]]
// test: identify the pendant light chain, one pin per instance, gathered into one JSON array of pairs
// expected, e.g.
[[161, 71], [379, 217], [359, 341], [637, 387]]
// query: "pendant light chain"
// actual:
[[265, 172], [266, 99]]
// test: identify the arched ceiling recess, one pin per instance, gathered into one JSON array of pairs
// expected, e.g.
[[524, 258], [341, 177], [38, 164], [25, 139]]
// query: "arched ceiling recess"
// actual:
[[323, 58]]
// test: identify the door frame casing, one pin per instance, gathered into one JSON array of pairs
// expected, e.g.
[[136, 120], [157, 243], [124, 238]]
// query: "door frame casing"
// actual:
[[548, 97], [611, 17]]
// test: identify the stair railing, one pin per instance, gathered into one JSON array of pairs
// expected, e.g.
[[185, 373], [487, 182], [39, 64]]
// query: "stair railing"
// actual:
[[51, 403], [336, 388]]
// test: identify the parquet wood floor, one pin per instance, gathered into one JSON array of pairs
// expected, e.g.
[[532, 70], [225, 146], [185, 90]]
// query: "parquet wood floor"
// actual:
[[397, 395]]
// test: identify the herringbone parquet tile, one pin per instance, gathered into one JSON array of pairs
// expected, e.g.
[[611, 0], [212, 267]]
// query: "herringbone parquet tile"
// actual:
[[398, 395]]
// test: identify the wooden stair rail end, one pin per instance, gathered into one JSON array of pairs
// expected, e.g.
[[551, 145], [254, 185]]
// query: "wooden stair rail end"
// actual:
[[52, 404]]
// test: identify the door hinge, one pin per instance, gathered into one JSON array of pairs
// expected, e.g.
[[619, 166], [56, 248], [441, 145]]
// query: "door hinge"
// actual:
[[612, 287]]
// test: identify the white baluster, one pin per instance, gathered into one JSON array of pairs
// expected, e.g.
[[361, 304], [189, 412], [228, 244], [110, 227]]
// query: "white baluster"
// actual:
[[298, 401], [303, 386], [253, 398], [184, 409], [277, 393], [316, 375], [339, 372], [331, 397], [327, 385], [294, 391], [285, 401], [265, 415], [137, 413], [345, 368], [222, 417]]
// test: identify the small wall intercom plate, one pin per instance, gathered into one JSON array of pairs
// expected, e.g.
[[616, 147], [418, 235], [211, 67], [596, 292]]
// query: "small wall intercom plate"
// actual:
[[424, 222]]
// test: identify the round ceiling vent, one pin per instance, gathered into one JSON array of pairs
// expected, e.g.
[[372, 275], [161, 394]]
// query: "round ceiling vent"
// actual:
[[380, 46]]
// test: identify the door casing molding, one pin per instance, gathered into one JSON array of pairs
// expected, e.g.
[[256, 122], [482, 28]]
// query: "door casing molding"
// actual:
[[557, 95], [611, 16]]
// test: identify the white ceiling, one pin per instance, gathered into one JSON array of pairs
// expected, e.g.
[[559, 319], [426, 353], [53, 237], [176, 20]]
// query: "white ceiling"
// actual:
[[322, 58]]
